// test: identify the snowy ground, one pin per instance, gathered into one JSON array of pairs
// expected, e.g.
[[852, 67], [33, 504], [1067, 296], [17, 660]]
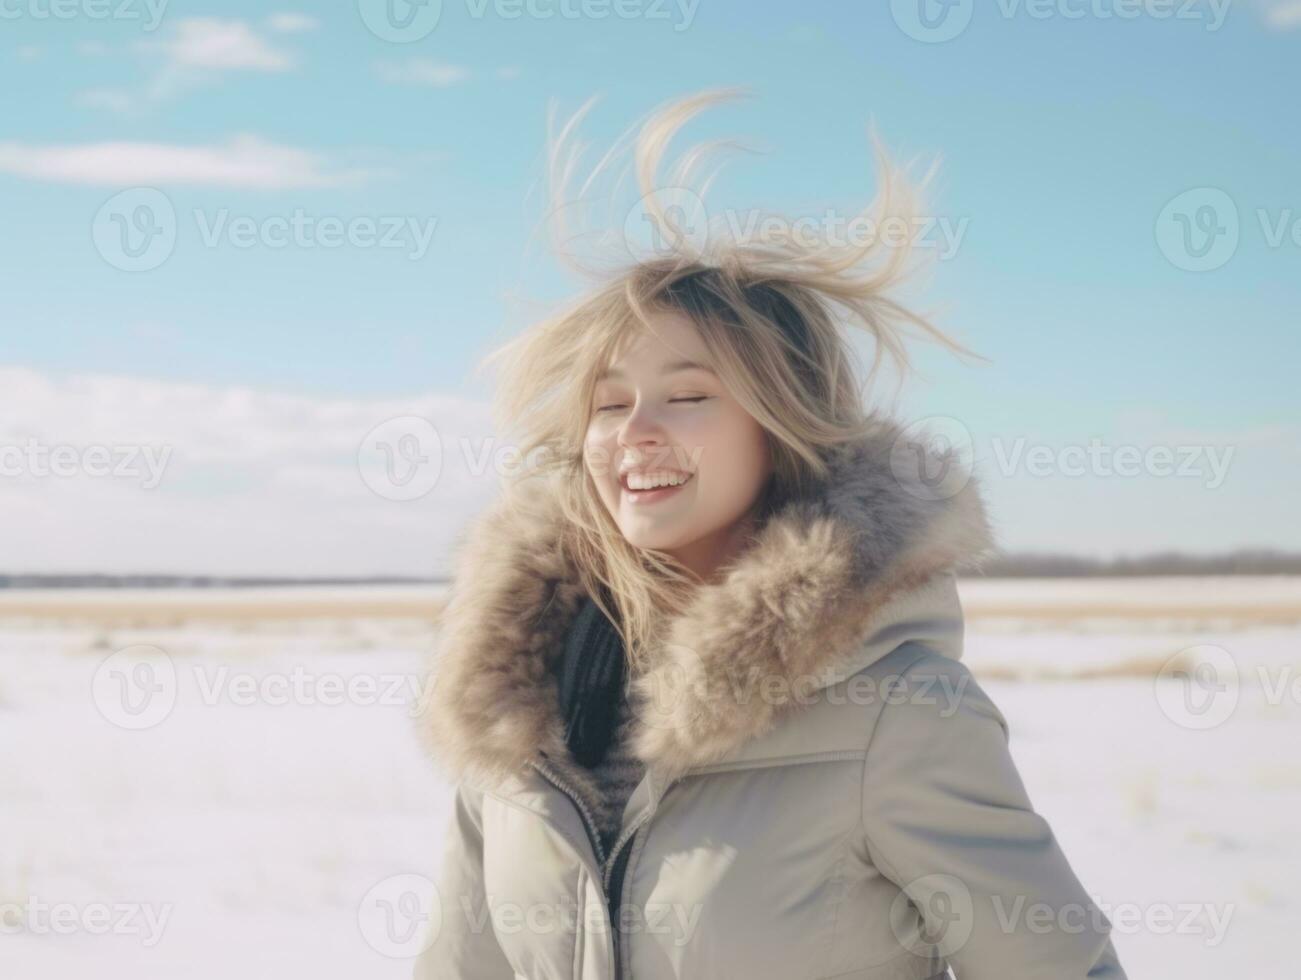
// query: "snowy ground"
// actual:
[[238, 821]]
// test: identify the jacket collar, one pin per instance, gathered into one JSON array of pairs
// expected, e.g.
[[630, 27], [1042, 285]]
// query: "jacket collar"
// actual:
[[831, 582]]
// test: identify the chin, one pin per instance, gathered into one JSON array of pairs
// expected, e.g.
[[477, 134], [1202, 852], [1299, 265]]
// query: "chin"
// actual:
[[647, 538]]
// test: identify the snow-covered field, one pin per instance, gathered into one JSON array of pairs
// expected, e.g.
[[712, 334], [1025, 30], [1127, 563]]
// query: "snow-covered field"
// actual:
[[228, 784]]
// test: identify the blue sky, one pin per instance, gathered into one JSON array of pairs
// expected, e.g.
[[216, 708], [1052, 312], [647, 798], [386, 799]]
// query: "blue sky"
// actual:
[[1064, 130]]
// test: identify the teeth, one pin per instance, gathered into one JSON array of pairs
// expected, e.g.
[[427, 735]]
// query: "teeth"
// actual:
[[649, 481]]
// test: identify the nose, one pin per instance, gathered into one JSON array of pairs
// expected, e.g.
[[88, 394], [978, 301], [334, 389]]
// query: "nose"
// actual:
[[642, 429]]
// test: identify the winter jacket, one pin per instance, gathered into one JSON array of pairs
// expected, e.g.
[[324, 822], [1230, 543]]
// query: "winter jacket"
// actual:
[[828, 794]]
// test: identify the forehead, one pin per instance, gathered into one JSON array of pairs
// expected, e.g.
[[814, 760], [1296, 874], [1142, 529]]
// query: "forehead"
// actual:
[[669, 344], [671, 367]]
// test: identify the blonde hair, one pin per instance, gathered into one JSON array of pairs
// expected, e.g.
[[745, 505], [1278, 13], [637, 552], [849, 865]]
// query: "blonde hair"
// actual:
[[770, 312]]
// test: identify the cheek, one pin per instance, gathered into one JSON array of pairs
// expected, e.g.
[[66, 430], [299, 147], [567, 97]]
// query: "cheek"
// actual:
[[734, 452], [749, 463], [598, 456]]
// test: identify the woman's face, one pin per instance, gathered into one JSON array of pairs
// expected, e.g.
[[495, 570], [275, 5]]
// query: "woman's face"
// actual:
[[657, 422]]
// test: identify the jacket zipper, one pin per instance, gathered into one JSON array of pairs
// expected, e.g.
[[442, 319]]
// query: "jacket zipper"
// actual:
[[614, 852], [589, 824], [593, 838], [628, 834], [623, 838]]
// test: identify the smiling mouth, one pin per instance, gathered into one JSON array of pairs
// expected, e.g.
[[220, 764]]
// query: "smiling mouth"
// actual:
[[653, 492]]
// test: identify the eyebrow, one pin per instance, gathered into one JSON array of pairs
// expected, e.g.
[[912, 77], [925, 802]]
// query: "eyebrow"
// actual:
[[672, 368]]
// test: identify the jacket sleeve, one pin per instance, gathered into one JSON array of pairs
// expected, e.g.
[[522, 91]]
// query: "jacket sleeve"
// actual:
[[464, 945], [946, 818]]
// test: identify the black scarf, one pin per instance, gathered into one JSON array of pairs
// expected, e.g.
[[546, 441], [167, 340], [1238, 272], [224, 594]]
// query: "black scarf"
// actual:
[[590, 677]]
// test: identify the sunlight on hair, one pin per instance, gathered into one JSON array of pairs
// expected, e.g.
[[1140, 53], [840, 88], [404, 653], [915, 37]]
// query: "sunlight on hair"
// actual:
[[776, 312]]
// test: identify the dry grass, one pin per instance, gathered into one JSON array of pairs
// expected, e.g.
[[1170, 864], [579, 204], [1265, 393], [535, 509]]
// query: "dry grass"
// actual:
[[174, 607], [1280, 613], [1065, 603], [1133, 668], [1040, 604]]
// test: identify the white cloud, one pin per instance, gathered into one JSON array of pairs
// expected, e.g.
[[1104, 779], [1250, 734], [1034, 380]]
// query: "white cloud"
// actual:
[[254, 482], [242, 161], [292, 23], [434, 74], [201, 50], [212, 43], [1283, 15], [111, 100], [421, 71]]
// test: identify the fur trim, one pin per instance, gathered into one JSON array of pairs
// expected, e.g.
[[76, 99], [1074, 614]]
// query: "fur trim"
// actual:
[[795, 606]]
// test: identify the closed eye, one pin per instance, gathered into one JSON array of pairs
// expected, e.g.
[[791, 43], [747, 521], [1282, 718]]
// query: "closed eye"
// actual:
[[693, 400]]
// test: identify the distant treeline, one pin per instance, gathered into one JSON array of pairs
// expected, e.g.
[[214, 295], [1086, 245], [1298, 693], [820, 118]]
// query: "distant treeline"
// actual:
[[1007, 565], [1244, 562], [99, 580]]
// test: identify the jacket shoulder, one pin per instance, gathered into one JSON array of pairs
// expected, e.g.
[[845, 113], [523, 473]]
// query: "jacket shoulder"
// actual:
[[933, 688], [840, 721]]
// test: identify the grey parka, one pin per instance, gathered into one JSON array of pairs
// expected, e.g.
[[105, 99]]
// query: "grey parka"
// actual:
[[829, 791]]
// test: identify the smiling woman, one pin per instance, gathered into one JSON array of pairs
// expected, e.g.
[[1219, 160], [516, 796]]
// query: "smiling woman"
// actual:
[[661, 658], [692, 462]]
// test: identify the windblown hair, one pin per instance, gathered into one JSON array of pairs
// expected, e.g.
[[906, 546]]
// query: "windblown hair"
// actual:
[[772, 313]]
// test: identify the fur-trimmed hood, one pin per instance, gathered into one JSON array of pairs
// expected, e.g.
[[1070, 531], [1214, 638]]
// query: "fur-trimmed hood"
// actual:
[[806, 605]]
